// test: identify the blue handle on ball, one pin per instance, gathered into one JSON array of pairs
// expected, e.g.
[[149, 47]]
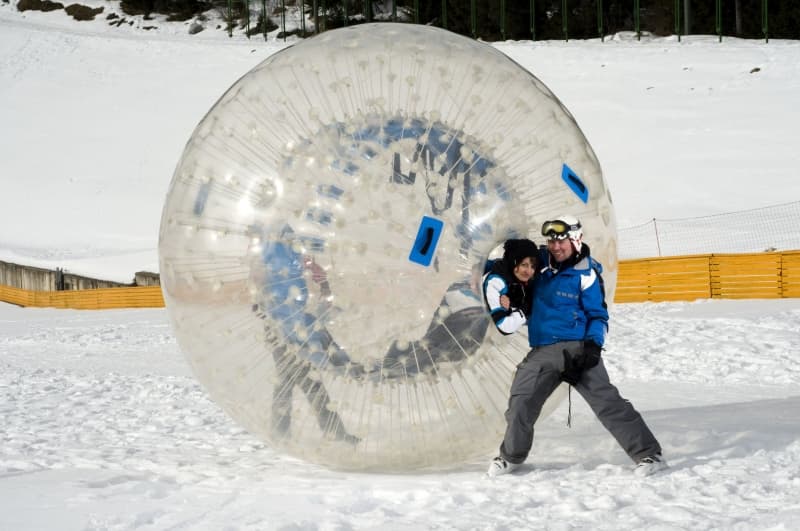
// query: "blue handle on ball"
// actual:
[[426, 241]]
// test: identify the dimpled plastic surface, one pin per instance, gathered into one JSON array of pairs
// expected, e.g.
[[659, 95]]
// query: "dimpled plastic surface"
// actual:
[[288, 230]]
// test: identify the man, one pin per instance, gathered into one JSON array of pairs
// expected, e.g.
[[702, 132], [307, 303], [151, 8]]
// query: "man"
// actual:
[[566, 332]]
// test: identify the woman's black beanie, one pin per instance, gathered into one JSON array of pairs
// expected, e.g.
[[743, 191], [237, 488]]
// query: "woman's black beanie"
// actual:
[[516, 250]]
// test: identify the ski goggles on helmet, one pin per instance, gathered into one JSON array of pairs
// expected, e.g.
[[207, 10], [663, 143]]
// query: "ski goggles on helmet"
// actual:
[[558, 230]]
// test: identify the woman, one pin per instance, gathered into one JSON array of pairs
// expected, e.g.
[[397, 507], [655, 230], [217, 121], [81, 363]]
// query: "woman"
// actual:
[[507, 286]]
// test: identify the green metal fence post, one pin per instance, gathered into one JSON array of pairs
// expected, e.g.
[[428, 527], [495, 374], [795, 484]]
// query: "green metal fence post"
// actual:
[[503, 19], [416, 11], [600, 20], [345, 14], [302, 19], [718, 19], [444, 14], [473, 19], [394, 10], [533, 20], [765, 19], [230, 18], [246, 6], [636, 20], [564, 22], [283, 19], [678, 19]]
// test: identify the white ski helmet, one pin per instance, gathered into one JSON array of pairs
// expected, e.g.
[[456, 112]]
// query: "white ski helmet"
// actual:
[[564, 227]]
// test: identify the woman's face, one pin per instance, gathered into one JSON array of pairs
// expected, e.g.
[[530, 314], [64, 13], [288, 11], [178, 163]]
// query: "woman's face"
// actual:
[[524, 270]]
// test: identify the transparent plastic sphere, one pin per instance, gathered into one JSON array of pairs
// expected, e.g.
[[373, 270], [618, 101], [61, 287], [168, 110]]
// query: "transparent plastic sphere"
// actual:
[[325, 232]]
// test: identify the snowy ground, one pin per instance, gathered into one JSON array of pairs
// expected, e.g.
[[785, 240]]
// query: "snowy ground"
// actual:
[[103, 427]]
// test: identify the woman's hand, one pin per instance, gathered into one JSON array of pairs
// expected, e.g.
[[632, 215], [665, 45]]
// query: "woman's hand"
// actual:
[[505, 302]]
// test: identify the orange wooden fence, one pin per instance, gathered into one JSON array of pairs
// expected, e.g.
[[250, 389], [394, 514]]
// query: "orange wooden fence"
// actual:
[[675, 278], [718, 276], [87, 299]]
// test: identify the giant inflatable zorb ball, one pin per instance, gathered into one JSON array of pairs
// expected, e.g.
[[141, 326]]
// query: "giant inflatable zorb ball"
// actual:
[[326, 229]]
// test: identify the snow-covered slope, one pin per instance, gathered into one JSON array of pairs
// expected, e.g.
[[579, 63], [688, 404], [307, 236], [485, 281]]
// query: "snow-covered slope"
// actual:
[[94, 117]]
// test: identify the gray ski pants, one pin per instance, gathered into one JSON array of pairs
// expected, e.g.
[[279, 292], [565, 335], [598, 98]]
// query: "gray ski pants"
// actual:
[[538, 376]]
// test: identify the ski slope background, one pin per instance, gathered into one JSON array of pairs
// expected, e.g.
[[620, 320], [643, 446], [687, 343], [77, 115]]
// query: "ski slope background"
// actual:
[[102, 426], [94, 118]]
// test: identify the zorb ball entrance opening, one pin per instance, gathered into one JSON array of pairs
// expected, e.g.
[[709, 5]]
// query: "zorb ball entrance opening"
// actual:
[[326, 229]]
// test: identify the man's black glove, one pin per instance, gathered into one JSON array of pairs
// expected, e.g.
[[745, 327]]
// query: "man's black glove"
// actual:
[[574, 366], [591, 354]]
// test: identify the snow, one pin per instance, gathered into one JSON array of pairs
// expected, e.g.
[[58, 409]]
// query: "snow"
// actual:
[[105, 428], [95, 117], [102, 425]]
